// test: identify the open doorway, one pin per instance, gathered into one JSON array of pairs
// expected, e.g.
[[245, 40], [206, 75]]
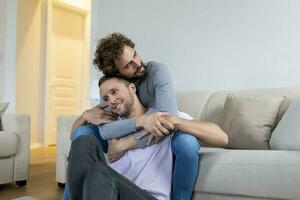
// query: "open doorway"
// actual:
[[52, 62], [67, 63]]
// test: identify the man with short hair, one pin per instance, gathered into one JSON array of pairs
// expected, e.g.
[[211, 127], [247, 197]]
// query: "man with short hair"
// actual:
[[90, 177], [89, 174]]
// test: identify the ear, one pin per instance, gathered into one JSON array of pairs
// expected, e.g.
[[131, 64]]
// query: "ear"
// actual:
[[132, 87]]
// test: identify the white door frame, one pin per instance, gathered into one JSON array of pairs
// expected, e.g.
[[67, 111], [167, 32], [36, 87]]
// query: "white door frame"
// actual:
[[86, 14]]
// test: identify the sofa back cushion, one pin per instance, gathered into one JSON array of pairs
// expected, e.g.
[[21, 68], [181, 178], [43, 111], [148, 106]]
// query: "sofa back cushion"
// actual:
[[286, 135], [3, 107], [213, 108], [208, 105], [192, 102], [248, 121]]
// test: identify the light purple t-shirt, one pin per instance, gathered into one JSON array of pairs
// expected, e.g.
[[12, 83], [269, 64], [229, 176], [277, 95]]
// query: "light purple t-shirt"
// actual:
[[149, 168]]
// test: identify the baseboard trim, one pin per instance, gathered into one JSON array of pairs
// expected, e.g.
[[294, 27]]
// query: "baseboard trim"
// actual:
[[36, 145]]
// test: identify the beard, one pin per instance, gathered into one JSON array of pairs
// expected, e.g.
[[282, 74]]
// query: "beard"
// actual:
[[128, 105], [139, 76]]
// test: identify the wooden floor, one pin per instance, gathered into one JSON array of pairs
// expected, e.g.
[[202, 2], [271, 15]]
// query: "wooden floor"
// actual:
[[41, 184]]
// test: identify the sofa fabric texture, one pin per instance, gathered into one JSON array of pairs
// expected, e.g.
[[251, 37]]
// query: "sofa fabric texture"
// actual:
[[14, 148], [8, 144], [286, 135]]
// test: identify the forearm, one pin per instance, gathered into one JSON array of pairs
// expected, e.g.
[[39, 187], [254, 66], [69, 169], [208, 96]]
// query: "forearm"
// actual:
[[128, 143], [144, 141], [207, 132], [117, 129], [122, 128]]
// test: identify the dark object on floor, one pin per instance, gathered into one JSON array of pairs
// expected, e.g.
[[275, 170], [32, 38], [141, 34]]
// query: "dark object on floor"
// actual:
[[21, 183], [61, 185]]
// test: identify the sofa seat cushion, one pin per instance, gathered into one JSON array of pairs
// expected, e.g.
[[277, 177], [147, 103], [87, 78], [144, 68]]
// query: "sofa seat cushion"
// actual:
[[256, 173], [8, 144]]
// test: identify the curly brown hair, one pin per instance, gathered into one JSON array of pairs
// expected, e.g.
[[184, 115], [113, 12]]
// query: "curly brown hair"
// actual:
[[108, 49]]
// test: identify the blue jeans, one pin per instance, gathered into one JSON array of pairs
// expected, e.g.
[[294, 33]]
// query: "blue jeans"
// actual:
[[185, 148]]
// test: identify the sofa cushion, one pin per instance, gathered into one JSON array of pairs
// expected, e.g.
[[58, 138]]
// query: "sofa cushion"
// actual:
[[286, 135], [8, 144], [192, 102], [213, 109], [253, 173], [248, 121], [3, 107]]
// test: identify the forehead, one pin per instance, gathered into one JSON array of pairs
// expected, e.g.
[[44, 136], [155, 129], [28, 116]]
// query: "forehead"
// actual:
[[110, 84], [127, 51], [125, 57]]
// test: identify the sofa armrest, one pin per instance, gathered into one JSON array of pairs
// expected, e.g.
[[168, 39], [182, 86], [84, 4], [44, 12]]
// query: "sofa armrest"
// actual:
[[20, 125], [63, 144]]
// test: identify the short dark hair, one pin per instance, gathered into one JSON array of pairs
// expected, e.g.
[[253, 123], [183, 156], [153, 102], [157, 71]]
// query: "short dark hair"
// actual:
[[109, 49], [106, 77]]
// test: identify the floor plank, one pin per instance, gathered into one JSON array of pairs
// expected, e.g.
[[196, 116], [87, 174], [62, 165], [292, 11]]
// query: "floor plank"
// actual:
[[41, 184]]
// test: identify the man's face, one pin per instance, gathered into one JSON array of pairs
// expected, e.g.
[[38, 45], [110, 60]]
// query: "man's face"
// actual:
[[130, 64], [118, 96]]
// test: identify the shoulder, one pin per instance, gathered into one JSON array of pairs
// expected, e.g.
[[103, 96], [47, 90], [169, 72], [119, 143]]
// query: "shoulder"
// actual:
[[154, 67]]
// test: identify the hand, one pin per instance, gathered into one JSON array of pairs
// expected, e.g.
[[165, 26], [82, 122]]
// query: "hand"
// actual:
[[155, 124], [150, 139], [174, 120], [97, 115], [115, 151]]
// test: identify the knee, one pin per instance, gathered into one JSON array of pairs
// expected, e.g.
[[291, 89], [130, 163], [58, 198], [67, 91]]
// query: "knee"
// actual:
[[186, 145], [81, 130], [84, 140]]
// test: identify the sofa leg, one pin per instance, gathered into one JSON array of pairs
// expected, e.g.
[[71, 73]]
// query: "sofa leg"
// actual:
[[21, 183], [60, 185]]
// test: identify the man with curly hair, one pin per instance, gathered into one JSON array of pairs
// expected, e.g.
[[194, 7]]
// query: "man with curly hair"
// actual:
[[115, 55]]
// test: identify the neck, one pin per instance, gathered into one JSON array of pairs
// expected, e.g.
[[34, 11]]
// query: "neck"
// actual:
[[137, 109]]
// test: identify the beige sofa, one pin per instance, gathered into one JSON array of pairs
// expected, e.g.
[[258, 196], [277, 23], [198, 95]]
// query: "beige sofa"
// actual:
[[14, 149], [225, 174]]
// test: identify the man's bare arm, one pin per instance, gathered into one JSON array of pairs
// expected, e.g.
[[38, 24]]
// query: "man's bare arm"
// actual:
[[117, 147], [209, 133]]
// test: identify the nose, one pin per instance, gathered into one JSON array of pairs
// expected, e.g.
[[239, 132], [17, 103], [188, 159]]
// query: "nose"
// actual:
[[136, 62], [112, 99]]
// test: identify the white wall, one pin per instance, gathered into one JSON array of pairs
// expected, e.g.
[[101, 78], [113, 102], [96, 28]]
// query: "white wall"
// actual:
[[211, 44], [29, 67], [8, 9], [2, 33]]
